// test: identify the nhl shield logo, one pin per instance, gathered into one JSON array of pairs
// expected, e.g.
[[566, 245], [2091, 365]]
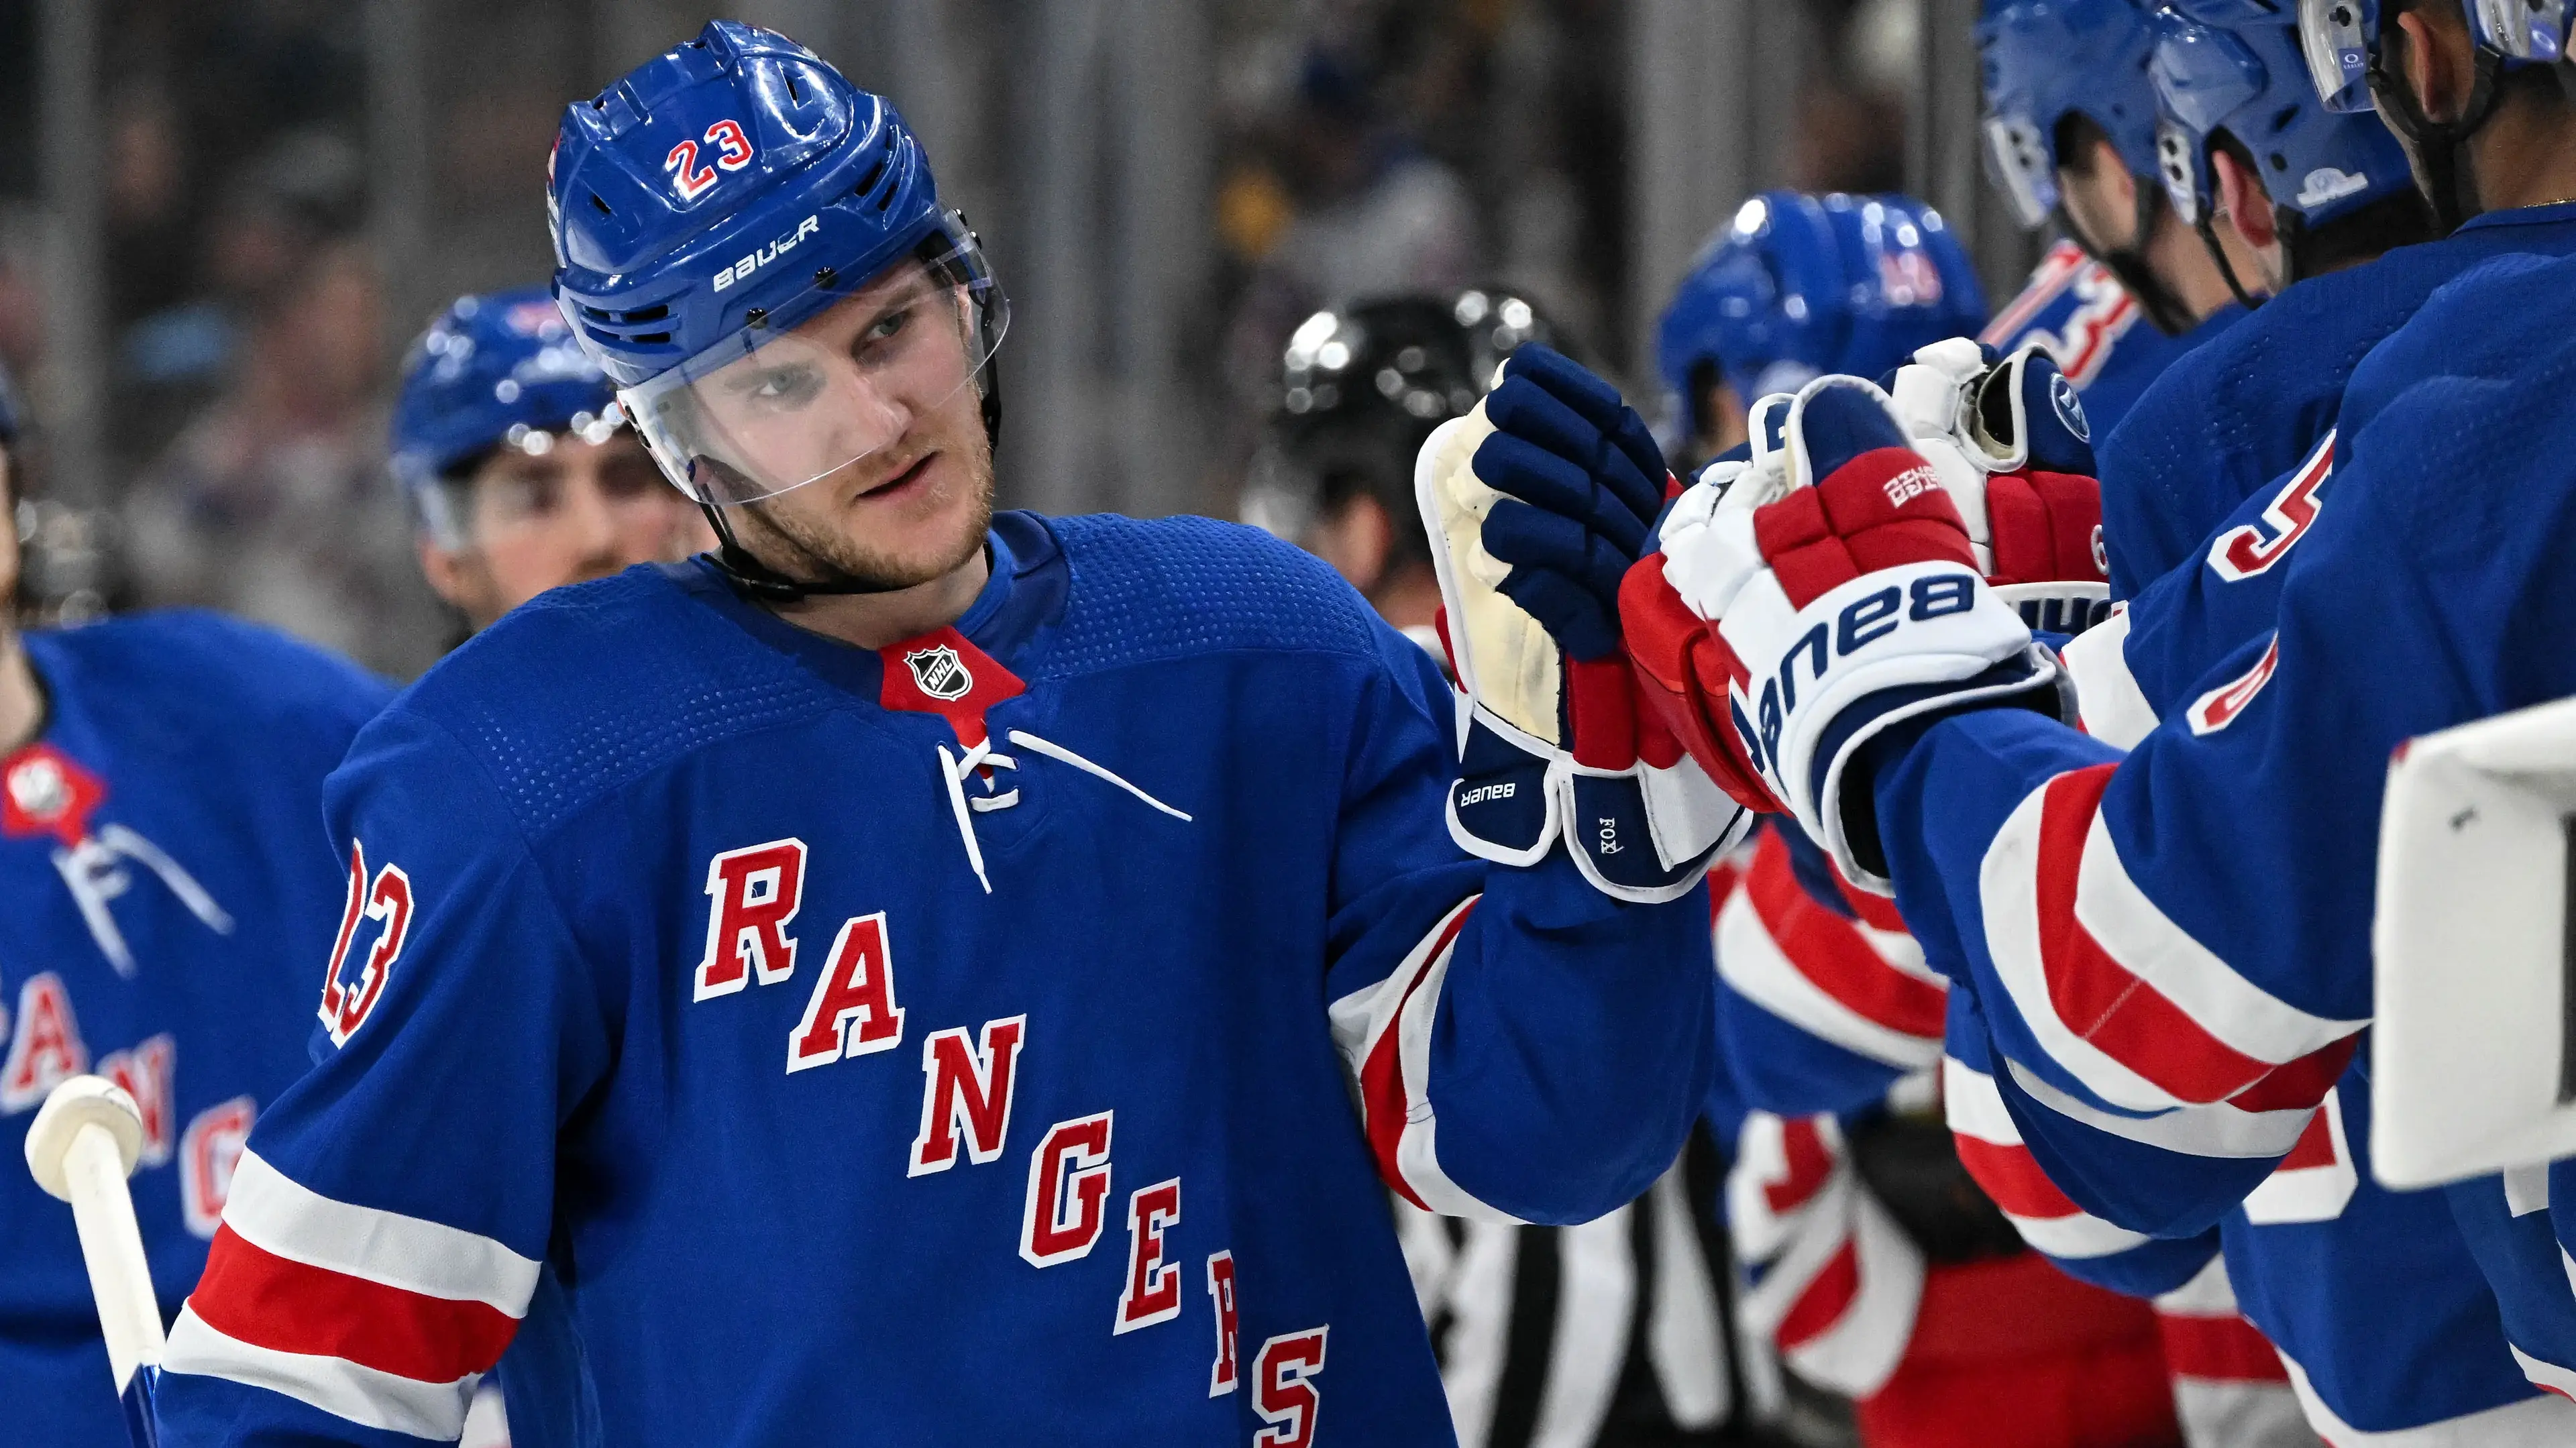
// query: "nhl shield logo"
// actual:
[[940, 673]]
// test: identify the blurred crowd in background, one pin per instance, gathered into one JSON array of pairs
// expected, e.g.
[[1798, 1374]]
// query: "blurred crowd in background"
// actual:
[[260, 270]]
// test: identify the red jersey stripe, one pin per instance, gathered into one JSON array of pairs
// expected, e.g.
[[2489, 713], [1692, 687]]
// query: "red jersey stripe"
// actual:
[[286, 1306]]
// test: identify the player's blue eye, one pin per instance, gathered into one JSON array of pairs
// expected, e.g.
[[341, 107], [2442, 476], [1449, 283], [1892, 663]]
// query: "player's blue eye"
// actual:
[[782, 387]]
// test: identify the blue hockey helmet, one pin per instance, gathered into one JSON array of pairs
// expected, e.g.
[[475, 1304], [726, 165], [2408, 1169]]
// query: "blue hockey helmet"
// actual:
[[2235, 65], [2340, 40], [2045, 60], [498, 370], [1797, 286], [755, 252], [1909, 283]]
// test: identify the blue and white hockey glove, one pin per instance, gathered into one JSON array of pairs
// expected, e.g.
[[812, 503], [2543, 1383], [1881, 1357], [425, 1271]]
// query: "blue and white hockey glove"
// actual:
[[1537, 502], [2012, 445], [1807, 608]]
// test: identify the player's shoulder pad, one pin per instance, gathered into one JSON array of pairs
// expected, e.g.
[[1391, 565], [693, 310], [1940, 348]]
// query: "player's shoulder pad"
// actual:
[[2490, 320], [588, 688], [1146, 590], [230, 674]]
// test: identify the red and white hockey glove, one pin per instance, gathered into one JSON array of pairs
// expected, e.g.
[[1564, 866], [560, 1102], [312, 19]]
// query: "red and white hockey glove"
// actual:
[[2013, 447], [1797, 611], [1537, 501]]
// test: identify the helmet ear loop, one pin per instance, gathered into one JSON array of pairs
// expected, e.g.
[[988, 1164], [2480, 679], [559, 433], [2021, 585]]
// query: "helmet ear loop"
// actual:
[[2207, 226], [2450, 188]]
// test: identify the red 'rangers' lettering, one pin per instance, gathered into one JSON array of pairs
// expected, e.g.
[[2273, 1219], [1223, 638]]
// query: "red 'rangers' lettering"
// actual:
[[752, 894], [1068, 1178], [1222, 1376], [145, 1072], [1284, 1391], [46, 1048], [1153, 1291], [852, 1012], [208, 1156], [963, 1088]]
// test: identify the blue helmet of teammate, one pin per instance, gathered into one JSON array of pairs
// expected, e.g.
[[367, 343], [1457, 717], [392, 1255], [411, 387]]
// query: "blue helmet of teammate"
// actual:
[[727, 194], [499, 370], [1797, 286], [2340, 41], [2215, 69], [2045, 60]]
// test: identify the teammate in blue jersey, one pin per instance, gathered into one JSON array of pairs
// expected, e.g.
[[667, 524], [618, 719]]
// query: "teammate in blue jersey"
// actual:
[[168, 883], [523, 476], [520, 470], [2168, 949], [2282, 193], [1795, 286], [2070, 135], [1012, 950]]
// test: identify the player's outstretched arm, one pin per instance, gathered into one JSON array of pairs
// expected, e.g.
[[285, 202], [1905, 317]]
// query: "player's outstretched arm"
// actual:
[[1524, 1046], [385, 1224], [1530, 1033]]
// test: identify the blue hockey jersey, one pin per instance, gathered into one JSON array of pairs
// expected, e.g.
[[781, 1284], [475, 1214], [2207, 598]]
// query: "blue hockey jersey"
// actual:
[[170, 894], [1008, 1030], [2102, 341], [2236, 416], [2171, 948]]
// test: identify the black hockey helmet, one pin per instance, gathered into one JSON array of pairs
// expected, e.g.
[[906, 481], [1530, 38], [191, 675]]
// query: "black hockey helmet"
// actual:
[[1362, 386]]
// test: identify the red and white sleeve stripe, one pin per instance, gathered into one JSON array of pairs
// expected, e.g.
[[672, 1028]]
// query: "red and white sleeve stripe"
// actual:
[[1990, 1147], [2140, 1013], [2228, 1382], [378, 1318], [1384, 1033], [1860, 984], [1837, 1285]]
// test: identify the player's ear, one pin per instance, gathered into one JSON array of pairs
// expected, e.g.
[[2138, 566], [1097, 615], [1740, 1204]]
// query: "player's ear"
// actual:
[[2438, 62], [2242, 197]]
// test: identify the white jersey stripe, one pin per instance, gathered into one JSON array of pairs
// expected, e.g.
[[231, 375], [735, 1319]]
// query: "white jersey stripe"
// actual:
[[1756, 968], [285, 1219], [361, 1395], [2220, 1131], [2240, 1014], [2107, 697], [2538, 1421]]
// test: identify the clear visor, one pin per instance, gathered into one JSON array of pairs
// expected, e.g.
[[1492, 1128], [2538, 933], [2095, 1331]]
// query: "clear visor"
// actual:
[[841, 392], [2018, 163], [2201, 74], [2338, 59], [2520, 29]]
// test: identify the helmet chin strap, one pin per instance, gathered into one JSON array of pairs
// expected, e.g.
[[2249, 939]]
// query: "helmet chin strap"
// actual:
[[2129, 264], [2449, 184], [2207, 226]]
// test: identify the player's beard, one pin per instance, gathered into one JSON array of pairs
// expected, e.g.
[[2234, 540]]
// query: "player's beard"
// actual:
[[817, 551]]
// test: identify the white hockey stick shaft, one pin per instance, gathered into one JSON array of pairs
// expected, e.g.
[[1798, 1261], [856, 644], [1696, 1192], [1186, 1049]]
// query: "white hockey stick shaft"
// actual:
[[120, 1277], [81, 1146]]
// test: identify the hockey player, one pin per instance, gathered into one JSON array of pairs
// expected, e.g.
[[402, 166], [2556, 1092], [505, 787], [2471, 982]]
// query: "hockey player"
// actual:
[[1795, 286], [2279, 191], [2070, 135], [1614, 1333], [523, 476], [1361, 388], [2169, 1017], [864, 924], [518, 464], [169, 891]]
